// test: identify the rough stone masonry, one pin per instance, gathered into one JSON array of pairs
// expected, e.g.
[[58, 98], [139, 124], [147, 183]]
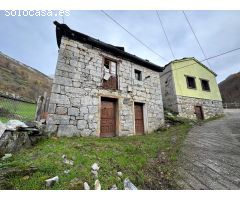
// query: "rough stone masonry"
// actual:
[[75, 102]]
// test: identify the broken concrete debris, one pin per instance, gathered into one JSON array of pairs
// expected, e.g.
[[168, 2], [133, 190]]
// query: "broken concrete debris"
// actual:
[[95, 167], [114, 187], [50, 182], [2, 129], [94, 170], [12, 125], [128, 185], [97, 185], [119, 174], [67, 161], [6, 156], [66, 171], [86, 186], [15, 135]]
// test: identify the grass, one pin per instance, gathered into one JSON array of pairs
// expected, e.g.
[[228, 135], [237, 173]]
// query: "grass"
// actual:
[[17, 110], [149, 161]]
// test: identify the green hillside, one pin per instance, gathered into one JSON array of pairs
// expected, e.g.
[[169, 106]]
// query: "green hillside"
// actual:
[[230, 89], [21, 80]]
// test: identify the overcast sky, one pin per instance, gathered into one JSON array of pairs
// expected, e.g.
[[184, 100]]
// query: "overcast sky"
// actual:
[[32, 40]]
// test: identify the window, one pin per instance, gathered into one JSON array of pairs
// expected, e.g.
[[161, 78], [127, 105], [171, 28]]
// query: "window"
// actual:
[[110, 67], [138, 75], [110, 80], [205, 85], [191, 82]]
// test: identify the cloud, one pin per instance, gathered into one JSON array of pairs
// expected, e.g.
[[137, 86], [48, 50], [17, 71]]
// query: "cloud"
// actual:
[[32, 39]]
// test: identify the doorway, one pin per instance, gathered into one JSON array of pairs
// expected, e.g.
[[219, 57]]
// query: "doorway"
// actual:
[[199, 112], [108, 117], [139, 120]]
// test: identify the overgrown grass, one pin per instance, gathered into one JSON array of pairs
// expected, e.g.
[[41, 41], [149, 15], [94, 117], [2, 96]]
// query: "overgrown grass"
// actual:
[[17, 110], [136, 156]]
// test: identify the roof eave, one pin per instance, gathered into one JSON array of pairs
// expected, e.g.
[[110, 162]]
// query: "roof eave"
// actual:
[[192, 58], [64, 30]]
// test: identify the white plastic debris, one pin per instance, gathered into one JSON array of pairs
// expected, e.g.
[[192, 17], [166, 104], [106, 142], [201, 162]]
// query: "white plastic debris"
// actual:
[[95, 173], [66, 171], [50, 182], [6, 156], [97, 185], [106, 76], [12, 125], [114, 187], [86, 186], [128, 185], [95, 167], [119, 174]]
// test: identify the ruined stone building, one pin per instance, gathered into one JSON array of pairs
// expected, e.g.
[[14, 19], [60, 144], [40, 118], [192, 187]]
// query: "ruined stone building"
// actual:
[[101, 90], [189, 88]]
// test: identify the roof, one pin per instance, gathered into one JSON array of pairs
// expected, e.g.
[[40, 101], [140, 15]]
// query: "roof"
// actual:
[[191, 58], [64, 30]]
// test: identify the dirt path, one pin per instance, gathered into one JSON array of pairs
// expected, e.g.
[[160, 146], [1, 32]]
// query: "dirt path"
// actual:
[[211, 154]]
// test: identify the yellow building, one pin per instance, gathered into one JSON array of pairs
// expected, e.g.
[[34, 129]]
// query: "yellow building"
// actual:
[[189, 88]]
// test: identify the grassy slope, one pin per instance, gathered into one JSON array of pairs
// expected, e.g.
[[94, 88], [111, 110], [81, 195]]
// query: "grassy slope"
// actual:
[[138, 157]]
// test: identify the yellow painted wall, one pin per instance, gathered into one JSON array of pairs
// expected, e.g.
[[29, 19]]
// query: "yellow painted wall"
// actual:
[[198, 71]]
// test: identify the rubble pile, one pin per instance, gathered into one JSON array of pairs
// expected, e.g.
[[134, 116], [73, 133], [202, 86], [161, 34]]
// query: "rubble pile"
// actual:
[[15, 135]]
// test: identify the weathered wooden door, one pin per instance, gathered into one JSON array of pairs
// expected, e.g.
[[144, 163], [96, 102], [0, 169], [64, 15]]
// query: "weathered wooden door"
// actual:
[[139, 122], [108, 118], [199, 112]]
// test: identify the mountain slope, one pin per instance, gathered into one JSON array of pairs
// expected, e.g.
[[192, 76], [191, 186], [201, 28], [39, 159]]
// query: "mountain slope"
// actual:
[[230, 88], [22, 80]]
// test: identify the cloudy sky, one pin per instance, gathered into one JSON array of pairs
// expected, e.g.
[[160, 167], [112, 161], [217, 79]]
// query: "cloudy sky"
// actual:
[[32, 40]]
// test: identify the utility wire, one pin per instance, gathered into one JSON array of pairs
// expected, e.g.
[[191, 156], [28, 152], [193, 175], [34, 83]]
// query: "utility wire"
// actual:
[[196, 38], [133, 36], [218, 55], [169, 45], [226, 52]]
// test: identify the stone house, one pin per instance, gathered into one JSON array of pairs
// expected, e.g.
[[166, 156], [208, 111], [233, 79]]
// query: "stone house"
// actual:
[[189, 88], [101, 90]]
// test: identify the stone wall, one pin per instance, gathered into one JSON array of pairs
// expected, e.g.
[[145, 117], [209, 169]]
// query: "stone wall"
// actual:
[[168, 89], [210, 108], [75, 100]]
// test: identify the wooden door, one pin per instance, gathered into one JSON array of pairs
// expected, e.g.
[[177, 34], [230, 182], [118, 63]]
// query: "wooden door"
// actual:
[[139, 122], [199, 112], [108, 118]]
